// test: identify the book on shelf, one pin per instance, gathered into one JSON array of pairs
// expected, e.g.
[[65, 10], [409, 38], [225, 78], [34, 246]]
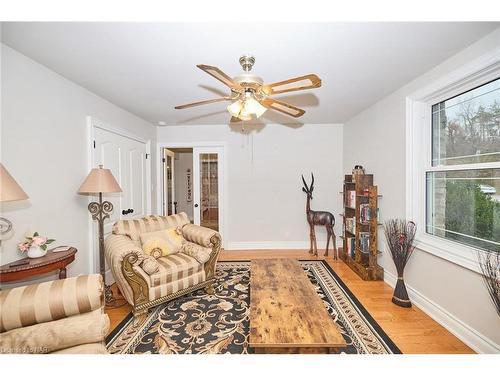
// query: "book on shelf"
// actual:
[[364, 242], [364, 213], [350, 224], [350, 199], [351, 246]]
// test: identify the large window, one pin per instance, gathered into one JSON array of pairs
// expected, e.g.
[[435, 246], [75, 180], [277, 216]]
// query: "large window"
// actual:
[[463, 177]]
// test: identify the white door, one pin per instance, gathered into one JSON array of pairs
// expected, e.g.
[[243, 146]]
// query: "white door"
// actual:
[[137, 184], [168, 182], [208, 185], [128, 161]]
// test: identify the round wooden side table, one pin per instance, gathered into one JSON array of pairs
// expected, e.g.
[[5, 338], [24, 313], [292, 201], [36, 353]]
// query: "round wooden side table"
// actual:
[[26, 268]]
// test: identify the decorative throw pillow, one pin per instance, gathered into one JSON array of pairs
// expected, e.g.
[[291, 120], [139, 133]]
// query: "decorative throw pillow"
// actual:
[[200, 253], [150, 265], [162, 243]]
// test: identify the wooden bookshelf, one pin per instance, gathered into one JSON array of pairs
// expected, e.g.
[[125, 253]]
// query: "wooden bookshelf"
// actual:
[[360, 201]]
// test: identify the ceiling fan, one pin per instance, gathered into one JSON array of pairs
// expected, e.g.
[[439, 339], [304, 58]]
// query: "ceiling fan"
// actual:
[[250, 96]]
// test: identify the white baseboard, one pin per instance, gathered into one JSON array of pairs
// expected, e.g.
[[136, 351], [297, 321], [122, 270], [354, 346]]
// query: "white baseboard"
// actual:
[[475, 340], [278, 245]]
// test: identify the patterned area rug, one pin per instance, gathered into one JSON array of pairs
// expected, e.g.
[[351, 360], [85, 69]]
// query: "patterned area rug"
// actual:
[[202, 323]]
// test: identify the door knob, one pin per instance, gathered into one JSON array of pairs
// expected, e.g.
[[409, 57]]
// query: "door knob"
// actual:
[[196, 204]]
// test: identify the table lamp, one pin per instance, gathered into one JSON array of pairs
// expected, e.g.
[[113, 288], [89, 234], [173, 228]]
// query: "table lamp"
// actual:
[[9, 191], [101, 181]]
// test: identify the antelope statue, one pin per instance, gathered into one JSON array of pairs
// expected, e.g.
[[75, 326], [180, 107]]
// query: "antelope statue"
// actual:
[[318, 218]]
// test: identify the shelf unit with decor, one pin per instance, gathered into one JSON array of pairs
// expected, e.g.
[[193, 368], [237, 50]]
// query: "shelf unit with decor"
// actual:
[[360, 226]]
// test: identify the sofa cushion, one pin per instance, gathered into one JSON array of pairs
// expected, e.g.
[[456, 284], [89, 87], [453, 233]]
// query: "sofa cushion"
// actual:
[[150, 265], [134, 228], [173, 268], [176, 286], [198, 252], [199, 235], [163, 242], [51, 300], [47, 337]]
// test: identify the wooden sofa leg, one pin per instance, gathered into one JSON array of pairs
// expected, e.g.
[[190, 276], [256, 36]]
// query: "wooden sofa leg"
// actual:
[[209, 289], [140, 314]]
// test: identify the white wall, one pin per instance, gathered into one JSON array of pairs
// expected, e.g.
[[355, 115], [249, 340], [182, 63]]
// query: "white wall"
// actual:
[[265, 203], [183, 161], [44, 146], [375, 138]]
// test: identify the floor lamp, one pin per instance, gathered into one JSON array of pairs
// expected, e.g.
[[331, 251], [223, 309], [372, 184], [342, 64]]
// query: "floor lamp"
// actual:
[[9, 191], [100, 181]]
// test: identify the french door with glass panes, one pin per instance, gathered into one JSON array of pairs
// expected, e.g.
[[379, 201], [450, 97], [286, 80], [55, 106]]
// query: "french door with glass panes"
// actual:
[[208, 173]]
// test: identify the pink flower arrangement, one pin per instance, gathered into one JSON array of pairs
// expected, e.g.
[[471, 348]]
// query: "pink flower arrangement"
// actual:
[[34, 240]]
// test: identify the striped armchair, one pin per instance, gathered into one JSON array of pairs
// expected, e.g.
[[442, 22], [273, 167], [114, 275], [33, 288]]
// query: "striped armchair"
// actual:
[[172, 276], [61, 316]]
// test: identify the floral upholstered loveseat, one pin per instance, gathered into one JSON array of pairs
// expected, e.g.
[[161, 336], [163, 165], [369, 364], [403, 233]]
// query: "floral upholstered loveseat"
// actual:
[[146, 281]]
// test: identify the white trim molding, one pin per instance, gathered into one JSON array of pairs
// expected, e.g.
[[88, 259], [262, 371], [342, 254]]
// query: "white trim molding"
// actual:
[[418, 135], [471, 337]]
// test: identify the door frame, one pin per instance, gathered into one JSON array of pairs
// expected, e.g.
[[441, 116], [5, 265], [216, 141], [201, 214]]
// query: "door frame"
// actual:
[[223, 192], [164, 195], [92, 124]]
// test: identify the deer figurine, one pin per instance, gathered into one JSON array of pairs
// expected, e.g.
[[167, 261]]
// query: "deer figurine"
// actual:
[[318, 218]]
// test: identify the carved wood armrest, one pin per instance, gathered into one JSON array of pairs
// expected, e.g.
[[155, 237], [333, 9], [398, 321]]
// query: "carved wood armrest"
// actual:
[[209, 266], [139, 285]]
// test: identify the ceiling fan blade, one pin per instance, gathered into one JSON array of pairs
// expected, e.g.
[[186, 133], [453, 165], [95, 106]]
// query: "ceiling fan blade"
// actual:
[[201, 102], [282, 107], [220, 75], [306, 82]]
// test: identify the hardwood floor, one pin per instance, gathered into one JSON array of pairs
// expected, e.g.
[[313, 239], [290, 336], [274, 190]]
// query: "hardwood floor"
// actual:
[[411, 329]]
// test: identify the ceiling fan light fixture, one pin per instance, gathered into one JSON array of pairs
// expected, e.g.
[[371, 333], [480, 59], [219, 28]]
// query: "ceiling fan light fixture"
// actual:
[[235, 108], [250, 97], [253, 107], [245, 117], [245, 108]]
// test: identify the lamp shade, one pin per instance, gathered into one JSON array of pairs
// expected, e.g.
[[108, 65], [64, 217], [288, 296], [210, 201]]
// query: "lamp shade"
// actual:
[[9, 188], [99, 180], [252, 106]]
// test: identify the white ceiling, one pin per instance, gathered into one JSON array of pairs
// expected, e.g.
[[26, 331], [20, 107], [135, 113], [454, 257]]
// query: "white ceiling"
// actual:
[[148, 68]]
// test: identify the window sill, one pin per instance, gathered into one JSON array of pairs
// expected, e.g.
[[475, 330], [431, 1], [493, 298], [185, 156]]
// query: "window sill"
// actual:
[[459, 254]]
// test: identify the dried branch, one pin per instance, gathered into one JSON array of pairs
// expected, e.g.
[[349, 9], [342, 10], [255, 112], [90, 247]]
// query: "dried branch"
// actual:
[[489, 263], [400, 235]]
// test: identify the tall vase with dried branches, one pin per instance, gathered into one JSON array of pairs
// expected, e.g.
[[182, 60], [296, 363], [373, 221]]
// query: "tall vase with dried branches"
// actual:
[[489, 263], [400, 234]]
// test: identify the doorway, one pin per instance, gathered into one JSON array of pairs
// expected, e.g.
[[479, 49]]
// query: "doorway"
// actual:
[[192, 182], [128, 158]]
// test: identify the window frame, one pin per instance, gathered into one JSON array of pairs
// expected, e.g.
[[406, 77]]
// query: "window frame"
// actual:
[[419, 153]]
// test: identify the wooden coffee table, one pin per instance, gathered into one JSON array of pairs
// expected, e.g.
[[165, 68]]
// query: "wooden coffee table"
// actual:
[[286, 314]]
